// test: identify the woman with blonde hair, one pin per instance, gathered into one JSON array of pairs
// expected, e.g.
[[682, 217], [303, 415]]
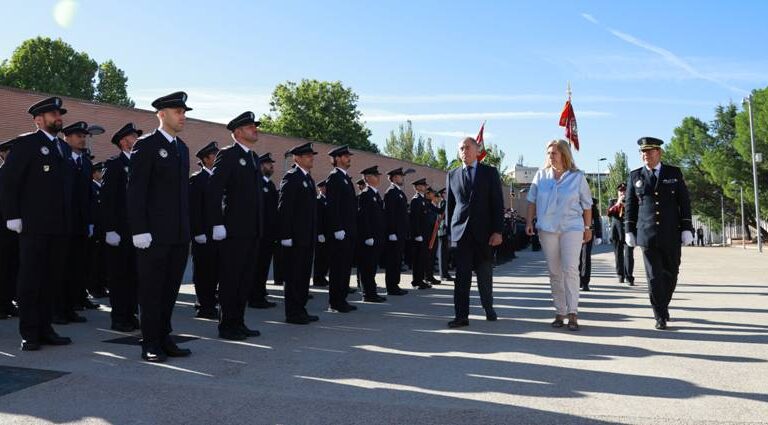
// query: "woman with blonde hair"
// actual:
[[561, 202]]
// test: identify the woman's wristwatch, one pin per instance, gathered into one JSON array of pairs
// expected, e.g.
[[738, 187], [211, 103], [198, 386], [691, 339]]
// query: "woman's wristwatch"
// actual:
[[587, 228]]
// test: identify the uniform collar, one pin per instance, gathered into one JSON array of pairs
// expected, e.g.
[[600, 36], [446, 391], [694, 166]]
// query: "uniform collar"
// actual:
[[76, 155], [373, 189], [208, 170], [657, 168], [127, 154], [47, 134], [343, 171], [306, 173], [98, 183], [245, 148], [266, 179], [167, 136]]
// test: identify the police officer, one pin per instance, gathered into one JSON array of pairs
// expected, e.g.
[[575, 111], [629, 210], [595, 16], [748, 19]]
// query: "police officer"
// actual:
[[97, 262], [158, 214], [320, 270], [420, 232], [585, 259], [445, 240], [205, 257], [120, 253], [268, 248], [235, 208], [9, 254], [623, 254], [372, 228], [396, 217], [658, 219], [37, 205], [342, 227], [297, 215], [433, 216]]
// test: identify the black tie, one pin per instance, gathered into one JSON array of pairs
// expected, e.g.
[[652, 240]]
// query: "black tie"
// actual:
[[79, 163], [468, 178], [653, 177]]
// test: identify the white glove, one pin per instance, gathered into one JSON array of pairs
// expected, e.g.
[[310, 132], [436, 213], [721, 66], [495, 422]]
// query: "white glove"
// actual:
[[287, 243], [418, 239], [321, 238], [393, 237], [112, 239], [142, 241], [201, 239], [90, 230], [14, 225], [686, 237], [369, 241], [598, 241], [219, 232], [630, 239], [339, 235]]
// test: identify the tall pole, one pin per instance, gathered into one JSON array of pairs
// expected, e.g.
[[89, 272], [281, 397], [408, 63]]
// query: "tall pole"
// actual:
[[722, 220], [748, 100], [743, 229]]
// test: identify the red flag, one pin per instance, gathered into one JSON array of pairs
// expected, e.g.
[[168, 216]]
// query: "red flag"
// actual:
[[483, 153], [568, 120]]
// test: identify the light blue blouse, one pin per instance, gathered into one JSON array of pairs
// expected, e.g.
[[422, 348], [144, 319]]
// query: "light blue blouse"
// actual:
[[560, 204]]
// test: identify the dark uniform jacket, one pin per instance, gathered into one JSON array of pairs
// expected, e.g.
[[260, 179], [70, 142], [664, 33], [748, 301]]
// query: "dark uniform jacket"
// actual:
[[396, 212], [372, 219], [234, 194], [419, 224], [342, 204], [98, 224], [322, 211], [158, 189], [657, 214], [113, 194], [479, 209], [198, 184], [617, 224], [270, 197], [297, 208], [36, 185], [81, 192]]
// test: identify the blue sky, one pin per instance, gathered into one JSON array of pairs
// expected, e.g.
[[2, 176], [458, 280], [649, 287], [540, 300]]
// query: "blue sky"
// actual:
[[636, 68]]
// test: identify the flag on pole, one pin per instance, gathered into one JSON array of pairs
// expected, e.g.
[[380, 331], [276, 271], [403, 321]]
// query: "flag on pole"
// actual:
[[568, 120], [483, 153]]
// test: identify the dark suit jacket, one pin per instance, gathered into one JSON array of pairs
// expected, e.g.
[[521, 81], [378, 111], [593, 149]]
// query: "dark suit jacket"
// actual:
[[657, 214], [158, 189], [234, 194], [270, 197], [297, 208], [37, 186], [342, 204], [417, 214], [372, 220], [114, 211], [198, 184], [98, 224], [396, 212], [476, 211]]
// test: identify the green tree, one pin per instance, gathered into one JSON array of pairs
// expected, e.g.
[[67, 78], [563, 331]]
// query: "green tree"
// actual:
[[318, 110], [400, 145], [742, 146], [112, 86], [50, 66], [442, 158]]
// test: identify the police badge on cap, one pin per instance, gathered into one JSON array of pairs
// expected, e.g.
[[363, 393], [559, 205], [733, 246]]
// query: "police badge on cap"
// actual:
[[47, 105], [173, 100], [245, 118]]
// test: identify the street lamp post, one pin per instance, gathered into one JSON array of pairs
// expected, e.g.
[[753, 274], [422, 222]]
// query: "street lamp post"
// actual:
[[743, 229], [748, 101], [722, 219]]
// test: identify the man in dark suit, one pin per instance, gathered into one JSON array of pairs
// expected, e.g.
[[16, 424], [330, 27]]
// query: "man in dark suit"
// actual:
[[37, 205], [158, 214], [585, 259], [420, 233], [296, 224], [396, 214], [120, 252], [475, 220], [9, 254], [623, 254], [320, 270], [235, 207], [658, 219], [205, 255], [268, 248], [342, 227], [372, 228]]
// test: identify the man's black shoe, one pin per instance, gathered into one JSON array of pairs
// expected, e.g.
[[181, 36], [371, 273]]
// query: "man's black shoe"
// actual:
[[27, 345], [248, 332], [172, 350], [88, 305], [449, 278], [397, 292], [631, 281], [262, 303], [52, 338], [433, 281], [491, 316], [621, 279], [458, 323], [208, 313], [301, 320], [153, 355], [232, 335], [374, 299], [320, 282], [351, 290], [122, 327], [661, 324], [344, 308], [312, 317]]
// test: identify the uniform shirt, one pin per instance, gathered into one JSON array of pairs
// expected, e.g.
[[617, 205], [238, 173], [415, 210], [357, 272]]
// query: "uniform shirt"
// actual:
[[560, 204]]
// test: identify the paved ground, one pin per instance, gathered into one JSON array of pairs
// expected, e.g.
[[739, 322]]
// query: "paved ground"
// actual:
[[398, 363]]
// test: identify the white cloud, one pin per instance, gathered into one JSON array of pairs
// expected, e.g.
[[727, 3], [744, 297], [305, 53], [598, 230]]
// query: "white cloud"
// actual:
[[211, 104], [458, 134], [590, 18], [479, 116], [452, 98]]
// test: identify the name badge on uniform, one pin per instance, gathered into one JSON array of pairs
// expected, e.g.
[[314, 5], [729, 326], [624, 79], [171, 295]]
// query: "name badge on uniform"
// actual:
[[669, 181], [44, 150], [305, 184], [639, 184], [242, 162], [266, 189], [126, 169], [163, 153], [46, 168]]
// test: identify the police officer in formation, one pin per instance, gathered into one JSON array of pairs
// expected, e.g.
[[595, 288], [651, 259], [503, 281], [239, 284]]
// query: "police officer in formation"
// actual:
[[372, 226], [623, 254], [268, 247], [658, 220], [9, 253], [396, 218], [320, 269], [205, 257], [421, 230]]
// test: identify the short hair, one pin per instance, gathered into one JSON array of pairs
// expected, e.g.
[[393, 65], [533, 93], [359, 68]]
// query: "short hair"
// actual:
[[565, 153]]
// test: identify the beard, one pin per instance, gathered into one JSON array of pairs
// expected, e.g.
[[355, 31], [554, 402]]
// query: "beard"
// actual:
[[54, 127]]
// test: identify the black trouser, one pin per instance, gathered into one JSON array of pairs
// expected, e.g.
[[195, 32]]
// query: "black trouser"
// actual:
[[420, 257], [585, 264], [96, 265], [340, 270], [321, 261], [267, 250], [472, 256], [394, 258], [238, 264], [72, 290], [42, 266], [700, 240], [277, 265], [298, 269], [625, 260], [205, 273], [662, 265], [445, 255], [123, 291], [9, 268], [160, 269], [429, 269], [368, 262]]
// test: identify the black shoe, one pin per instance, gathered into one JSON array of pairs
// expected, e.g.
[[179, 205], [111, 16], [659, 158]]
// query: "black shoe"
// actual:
[[262, 303], [278, 283], [88, 305], [301, 320], [491, 316], [211, 313], [312, 317], [585, 288], [59, 320], [122, 327], [351, 290], [421, 285], [344, 308], [448, 277], [99, 293], [232, 335], [661, 324], [248, 332], [374, 299], [433, 281], [75, 318], [621, 279], [153, 355], [172, 350], [52, 338], [320, 282], [310, 297], [397, 292], [458, 323], [631, 281], [27, 345]]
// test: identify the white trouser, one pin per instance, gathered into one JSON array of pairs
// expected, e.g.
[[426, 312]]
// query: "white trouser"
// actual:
[[562, 251]]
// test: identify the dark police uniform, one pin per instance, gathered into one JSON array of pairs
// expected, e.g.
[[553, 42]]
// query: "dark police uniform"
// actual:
[[36, 190], [433, 214], [658, 209], [205, 256], [342, 216], [372, 226], [320, 270], [96, 282], [297, 215], [9, 257], [268, 244], [623, 254], [158, 205], [396, 217], [585, 260], [235, 201], [419, 226]]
